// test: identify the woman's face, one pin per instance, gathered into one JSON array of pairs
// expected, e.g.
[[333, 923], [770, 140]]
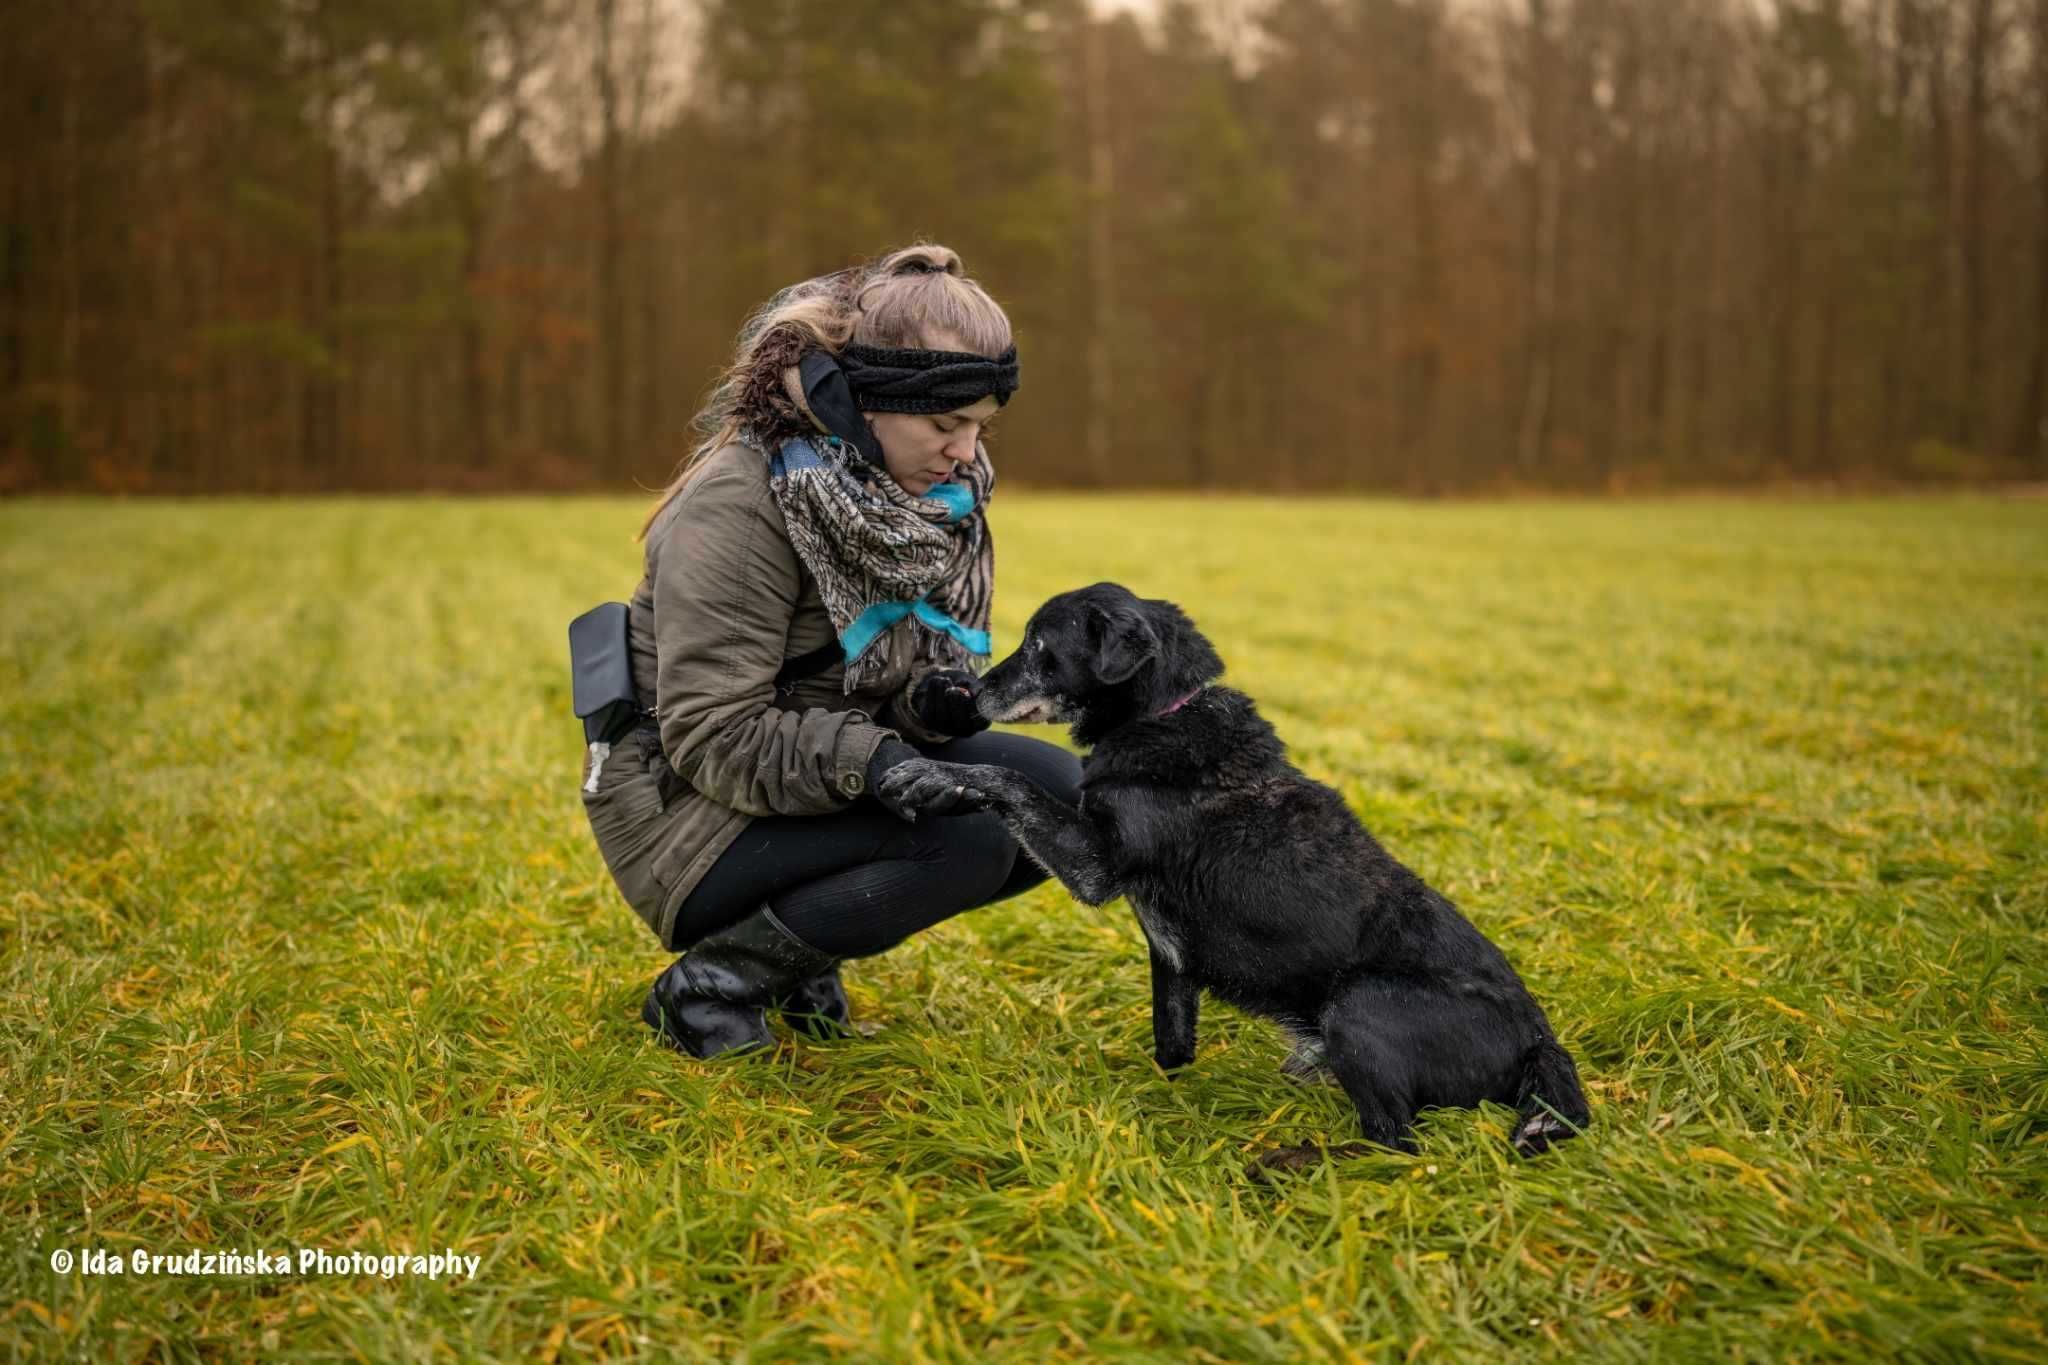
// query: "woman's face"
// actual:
[[921, 449]]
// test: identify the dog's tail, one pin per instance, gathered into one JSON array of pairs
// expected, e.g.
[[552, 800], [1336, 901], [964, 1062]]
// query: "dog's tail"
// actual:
[[1552, 1105]]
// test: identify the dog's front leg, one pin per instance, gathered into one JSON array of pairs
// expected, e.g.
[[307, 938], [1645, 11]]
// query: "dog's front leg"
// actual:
[[1176, 1002], [1059, 838]]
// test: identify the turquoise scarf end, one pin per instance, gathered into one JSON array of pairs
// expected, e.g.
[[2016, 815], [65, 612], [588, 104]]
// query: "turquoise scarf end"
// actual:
[[866, 627], [959, 501]]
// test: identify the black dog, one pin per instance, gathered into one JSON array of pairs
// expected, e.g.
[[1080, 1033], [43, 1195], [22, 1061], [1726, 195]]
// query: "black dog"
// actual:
[[1251, 880]]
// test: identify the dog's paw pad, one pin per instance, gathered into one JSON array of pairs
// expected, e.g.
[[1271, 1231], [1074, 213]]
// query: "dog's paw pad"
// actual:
[[1538, 1132]]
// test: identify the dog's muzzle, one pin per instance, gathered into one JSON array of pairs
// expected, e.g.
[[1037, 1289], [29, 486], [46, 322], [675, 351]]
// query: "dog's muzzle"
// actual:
[[1029, 709]]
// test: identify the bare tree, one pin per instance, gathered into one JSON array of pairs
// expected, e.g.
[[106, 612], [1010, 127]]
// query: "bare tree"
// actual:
[[2029, 433], [1101, 385], [1547, 172], [611, 301], [1983, 38]]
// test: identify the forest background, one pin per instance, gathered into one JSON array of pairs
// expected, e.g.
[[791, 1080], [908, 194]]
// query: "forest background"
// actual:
[[1420, 246]]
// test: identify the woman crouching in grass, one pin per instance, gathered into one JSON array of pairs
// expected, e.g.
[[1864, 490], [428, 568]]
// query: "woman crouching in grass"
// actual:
[[817, 595]]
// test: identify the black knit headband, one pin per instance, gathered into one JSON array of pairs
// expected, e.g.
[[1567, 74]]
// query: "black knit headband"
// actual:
[[910, 379]]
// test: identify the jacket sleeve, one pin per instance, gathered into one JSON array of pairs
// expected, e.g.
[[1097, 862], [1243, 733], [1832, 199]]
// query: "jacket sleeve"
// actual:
[[725, 586]]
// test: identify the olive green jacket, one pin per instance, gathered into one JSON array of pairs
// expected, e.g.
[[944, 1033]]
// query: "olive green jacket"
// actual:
[[725, 601]]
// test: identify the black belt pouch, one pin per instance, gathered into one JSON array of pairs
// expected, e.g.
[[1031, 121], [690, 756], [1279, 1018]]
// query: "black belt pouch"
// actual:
[[601, 670]]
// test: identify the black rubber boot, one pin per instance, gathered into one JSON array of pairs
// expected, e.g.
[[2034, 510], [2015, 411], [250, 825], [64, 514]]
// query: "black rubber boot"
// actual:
[[711, 999], [818, 1006]]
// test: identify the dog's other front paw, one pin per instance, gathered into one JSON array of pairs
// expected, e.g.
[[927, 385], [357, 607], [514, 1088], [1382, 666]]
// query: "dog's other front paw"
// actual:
[[1173, 1061]]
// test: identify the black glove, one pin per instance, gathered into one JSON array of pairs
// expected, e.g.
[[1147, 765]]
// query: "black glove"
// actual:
[[944, 703], [887, 755]]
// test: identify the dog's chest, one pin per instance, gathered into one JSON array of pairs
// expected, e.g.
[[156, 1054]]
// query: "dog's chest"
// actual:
[[1162, 933], [1147, 834]]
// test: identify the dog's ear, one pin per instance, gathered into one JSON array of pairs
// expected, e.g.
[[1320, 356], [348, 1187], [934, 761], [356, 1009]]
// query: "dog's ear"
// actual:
[[1123, 641]]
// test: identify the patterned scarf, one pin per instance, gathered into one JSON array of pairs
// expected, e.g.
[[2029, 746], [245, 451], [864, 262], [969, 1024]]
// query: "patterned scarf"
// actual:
[[883, 557]]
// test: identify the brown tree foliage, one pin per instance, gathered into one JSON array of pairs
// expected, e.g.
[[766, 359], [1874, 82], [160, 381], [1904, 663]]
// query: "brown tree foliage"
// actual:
[[1413, 245]]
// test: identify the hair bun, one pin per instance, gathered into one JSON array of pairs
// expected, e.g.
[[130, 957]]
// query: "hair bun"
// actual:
[[926, 259]]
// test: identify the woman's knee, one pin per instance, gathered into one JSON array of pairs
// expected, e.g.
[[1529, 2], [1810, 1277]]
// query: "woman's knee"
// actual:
[[978, 854], [951, 864], [953, 858]]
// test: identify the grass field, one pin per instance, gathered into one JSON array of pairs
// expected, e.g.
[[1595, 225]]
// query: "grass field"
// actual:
[[306, 946]]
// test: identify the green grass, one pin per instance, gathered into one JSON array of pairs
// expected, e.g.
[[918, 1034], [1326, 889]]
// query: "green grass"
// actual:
[[306, 944]]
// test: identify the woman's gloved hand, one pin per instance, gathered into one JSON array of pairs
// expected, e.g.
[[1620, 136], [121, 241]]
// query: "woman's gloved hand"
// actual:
[[944, 703]]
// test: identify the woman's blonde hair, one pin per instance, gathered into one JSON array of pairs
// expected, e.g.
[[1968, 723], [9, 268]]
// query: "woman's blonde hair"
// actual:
[[910, 297]]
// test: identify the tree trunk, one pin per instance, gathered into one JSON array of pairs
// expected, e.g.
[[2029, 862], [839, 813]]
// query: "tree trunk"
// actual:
[[1546, 212], [69, 324], [1971, 388], [611, 302], [1898, 255], [1786, 178], [476, 406], [1824, 382], [1701, 416], [1101, 390], [1416, 139], [1944, 283], [321, 412], [2029, 439]]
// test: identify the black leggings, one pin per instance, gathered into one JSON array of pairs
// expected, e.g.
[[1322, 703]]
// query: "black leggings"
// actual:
[[860, 881]]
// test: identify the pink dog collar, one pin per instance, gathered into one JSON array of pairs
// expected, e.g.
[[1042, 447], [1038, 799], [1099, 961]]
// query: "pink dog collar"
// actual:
[[1177, 705]]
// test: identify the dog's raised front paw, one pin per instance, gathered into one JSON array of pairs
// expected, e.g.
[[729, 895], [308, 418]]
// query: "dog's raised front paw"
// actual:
[[925, 786]]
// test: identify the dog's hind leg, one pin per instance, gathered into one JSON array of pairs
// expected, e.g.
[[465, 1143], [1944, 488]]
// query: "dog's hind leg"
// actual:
[[1551, 1104], [1375, 1072], [1370, 1075], [1361, 1044]]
